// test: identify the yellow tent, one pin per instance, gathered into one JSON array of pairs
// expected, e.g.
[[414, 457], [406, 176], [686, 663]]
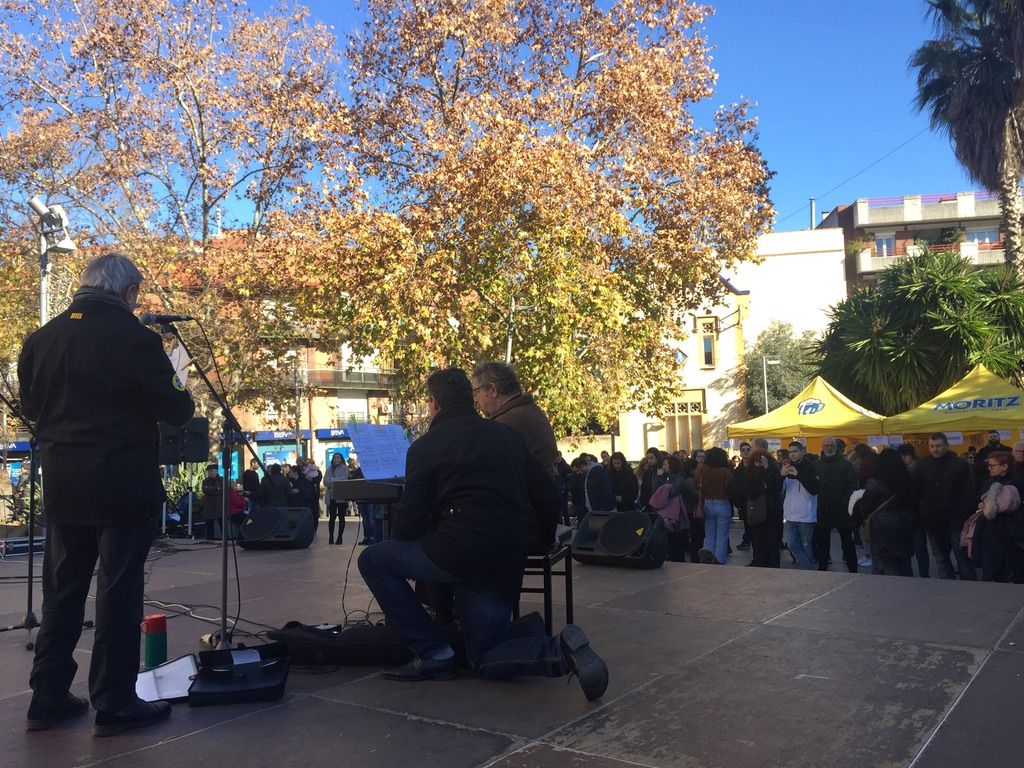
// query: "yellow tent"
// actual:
[[818, 411], [979, 401]]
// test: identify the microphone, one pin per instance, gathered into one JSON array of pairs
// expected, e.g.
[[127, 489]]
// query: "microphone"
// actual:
[[148, 318]]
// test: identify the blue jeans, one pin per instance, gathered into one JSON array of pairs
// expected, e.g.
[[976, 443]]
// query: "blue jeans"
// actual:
[[386, 568], [717, 516], [371, 525], [798, 539]]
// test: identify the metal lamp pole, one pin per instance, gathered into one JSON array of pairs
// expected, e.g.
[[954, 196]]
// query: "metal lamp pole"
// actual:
[[512, 309], [53, 238]]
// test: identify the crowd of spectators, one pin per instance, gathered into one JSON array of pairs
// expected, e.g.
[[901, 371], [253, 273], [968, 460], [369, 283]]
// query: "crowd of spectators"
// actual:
[[894, 504]]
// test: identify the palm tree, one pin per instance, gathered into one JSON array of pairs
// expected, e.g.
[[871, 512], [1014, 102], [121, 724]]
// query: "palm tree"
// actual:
[[930, 319], [969, 79]]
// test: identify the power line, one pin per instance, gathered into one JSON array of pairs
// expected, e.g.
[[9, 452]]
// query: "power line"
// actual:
[[854, 176]]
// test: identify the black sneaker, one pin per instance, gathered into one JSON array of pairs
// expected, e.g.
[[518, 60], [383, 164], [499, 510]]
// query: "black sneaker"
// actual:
[[581, 661], [138, 715], [743, 545], [43, 712], [424, 669]]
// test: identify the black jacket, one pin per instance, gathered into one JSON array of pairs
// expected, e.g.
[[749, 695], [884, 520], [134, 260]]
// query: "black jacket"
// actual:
[[468, 484], [278, 491], [626, 487], [213, 489], [597, 486], [943, 489], [838, 480], [96, 382]]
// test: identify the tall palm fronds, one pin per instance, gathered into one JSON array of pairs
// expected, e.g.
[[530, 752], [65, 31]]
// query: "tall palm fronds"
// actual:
[[970, 80]]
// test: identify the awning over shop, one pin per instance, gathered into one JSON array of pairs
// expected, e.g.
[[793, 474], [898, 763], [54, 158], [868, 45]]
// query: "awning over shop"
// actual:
[[979, 401], [818, 411]]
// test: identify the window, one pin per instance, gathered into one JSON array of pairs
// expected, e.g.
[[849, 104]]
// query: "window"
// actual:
[[708, 350], [885, 244], [707, 327], [985, 235]]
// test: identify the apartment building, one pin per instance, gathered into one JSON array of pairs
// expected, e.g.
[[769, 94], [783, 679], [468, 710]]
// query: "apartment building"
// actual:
[[881, 230]]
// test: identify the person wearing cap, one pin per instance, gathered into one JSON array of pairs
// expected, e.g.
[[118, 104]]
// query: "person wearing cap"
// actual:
[[212, 499]]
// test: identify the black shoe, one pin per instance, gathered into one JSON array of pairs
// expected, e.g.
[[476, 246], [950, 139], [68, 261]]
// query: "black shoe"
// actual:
[[424, 669], [138, 715], [707, 557], [743, 545], [581, 661], [43, 712]]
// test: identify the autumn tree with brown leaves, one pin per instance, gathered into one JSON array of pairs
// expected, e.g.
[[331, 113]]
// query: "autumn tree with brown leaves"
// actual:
[[488, 156], [156, 123], [542, 153]]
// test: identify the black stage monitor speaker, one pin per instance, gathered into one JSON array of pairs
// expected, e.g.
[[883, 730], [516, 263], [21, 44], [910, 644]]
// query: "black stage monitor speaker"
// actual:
[[195, 444], [624, 539], [170, 443], [277, 528]]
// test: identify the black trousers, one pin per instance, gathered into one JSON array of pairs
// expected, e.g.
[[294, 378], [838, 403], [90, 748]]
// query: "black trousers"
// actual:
[[118, 554], [764, 545], [822, 544]]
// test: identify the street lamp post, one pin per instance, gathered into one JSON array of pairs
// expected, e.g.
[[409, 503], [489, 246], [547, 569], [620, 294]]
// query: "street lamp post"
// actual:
[[765, 362], [53, 238], [512, 324]]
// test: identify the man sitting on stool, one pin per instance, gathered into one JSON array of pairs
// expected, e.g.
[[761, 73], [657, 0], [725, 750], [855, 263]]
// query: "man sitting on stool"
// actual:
[[462, 521]]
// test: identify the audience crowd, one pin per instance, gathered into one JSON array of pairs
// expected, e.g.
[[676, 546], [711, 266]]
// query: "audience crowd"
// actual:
[[894, 504]]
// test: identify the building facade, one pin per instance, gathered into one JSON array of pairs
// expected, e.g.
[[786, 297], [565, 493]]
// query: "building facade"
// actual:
[[880, 231]]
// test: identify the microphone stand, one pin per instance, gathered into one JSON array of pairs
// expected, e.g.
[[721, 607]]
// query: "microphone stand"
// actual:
[[231, 435], [31, 622]]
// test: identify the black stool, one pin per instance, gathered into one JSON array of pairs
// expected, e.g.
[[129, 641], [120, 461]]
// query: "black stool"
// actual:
[[541, 565]]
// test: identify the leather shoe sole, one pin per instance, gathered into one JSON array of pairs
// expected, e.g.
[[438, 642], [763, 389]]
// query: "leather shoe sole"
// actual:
[[138, 715], [588, 667]]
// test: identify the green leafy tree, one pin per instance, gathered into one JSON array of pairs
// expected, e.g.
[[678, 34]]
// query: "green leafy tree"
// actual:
[[970, 80], [785, 380], [930, 319]]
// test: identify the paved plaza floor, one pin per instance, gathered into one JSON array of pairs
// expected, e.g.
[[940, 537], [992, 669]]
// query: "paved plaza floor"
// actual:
[[711, 667]]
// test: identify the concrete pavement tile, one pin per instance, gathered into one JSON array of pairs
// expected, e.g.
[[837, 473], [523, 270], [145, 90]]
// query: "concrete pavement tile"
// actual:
[[634, 654], [750, 595], [985, 726], [314, 732], [783, 697], [915, 609]]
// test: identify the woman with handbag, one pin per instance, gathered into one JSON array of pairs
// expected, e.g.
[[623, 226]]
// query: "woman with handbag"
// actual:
[[887, 511], [759, 479], [1001, 559], [668, 502]]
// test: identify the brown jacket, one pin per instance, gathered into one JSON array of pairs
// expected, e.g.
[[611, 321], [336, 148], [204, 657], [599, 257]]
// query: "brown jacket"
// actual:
[[528, 420], [714, 482]]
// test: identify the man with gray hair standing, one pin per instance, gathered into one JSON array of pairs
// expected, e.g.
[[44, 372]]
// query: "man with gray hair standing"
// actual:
[[96, 382]]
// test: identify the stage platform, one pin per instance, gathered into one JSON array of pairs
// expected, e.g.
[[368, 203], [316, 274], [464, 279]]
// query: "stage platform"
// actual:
[[711, 667]]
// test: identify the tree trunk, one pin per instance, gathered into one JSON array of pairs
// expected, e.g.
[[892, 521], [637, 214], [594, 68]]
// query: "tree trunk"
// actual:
[[1010, 202]]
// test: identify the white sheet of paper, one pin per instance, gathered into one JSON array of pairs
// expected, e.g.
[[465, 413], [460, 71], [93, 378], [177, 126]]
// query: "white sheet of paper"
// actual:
[[245, 656], [181, 362]]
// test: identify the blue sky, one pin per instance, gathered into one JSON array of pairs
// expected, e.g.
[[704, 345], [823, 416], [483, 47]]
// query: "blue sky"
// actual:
[[831, 90]]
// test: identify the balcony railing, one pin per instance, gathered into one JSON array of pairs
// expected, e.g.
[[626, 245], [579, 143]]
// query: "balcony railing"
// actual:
[[880, 211], [336, 378], [875, 259]]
